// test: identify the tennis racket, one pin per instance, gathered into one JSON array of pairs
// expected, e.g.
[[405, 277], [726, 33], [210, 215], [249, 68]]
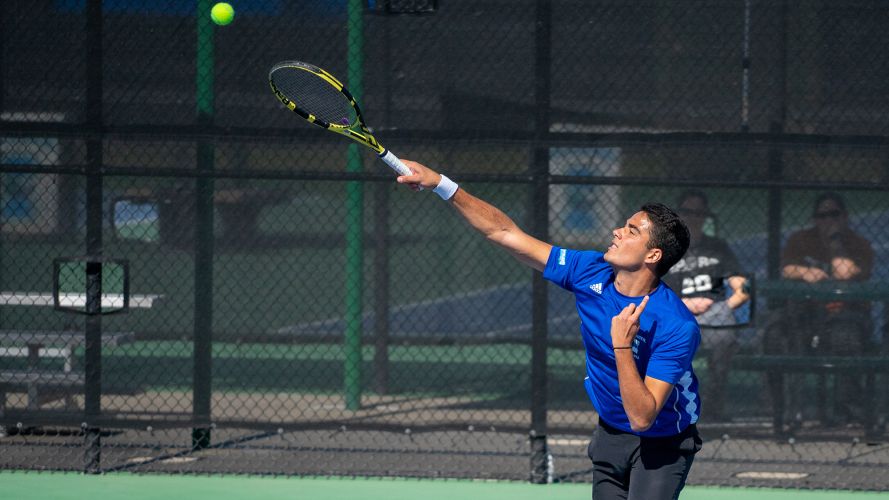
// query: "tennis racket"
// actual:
[[320, 98]]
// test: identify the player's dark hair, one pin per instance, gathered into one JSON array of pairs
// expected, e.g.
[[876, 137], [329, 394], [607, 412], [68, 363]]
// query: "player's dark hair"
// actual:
[[668, 233]]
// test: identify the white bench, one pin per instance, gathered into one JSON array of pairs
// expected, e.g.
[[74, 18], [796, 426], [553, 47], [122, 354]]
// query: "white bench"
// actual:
[[109, 300], [37, 344]]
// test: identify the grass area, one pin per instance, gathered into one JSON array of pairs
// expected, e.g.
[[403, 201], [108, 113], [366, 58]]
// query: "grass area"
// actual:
[[493, 372], [490, 372]]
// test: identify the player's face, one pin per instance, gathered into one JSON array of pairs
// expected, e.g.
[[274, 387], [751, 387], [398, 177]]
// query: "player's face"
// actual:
[[830, 218], [629, 245]]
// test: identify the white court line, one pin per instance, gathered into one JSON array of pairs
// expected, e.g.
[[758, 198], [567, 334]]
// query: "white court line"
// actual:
[[567, 442], [321, 323], [406, 308], [771, 475]]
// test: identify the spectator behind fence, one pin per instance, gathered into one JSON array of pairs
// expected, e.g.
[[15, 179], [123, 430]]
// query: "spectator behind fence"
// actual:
[[828, 251], [700, 279]]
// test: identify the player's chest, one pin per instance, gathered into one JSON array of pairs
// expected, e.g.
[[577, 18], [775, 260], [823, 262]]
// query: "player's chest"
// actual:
[[596, 310]]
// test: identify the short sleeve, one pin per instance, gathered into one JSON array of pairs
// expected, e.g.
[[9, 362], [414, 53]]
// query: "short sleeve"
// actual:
[[566, 267], [557, 269], [672, 358]]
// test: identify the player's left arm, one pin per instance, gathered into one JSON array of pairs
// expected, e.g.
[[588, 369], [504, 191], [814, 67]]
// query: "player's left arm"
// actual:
[[642, 399]]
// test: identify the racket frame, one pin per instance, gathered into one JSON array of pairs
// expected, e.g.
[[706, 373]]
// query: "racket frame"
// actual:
[[364, 136]]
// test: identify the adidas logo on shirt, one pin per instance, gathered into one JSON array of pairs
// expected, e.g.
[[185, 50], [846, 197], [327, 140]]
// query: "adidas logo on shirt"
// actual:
[[597, 288]]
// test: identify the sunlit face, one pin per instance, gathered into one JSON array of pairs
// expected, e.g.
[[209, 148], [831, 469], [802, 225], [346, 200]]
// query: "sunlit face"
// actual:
[[629, 245]]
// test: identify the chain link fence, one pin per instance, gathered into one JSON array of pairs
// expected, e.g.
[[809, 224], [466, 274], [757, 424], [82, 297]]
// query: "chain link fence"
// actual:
[[264, 310]]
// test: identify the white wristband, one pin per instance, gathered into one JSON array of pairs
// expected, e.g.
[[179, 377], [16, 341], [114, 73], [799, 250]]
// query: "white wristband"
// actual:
[[446, 188]]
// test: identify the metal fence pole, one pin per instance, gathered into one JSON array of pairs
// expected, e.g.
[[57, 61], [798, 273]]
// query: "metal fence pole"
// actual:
[[381, 238], [93, 321], [381, 287], [2, 107], [541, 471], [776, 156], [775, 194]]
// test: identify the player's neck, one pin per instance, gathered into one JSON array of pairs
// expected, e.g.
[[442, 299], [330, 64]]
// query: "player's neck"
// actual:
[[635, 283]]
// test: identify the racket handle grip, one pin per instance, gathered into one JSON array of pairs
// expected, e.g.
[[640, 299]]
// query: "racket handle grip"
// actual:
[[393, 162]]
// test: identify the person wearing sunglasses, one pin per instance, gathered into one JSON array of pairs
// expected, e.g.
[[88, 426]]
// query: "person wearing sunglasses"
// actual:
[[709, 280], [827, 251]]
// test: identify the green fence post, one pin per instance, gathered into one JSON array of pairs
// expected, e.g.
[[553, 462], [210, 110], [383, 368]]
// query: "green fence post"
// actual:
[[354, 221], [203, 241]]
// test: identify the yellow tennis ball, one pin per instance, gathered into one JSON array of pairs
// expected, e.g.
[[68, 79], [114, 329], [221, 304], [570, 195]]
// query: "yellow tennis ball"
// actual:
[[222, 13]]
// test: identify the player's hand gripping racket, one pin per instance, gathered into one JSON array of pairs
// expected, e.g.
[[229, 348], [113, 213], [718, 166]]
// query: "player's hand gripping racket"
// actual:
[[317, 96]]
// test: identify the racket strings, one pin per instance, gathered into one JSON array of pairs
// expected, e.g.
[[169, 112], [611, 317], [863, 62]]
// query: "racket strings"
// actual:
[[314, 95]]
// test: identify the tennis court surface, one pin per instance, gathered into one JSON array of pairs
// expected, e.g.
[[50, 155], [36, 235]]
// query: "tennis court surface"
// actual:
[[29, 486]]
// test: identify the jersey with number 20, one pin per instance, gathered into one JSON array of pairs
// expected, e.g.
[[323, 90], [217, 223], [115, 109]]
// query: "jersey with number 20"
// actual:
[[663, 349]]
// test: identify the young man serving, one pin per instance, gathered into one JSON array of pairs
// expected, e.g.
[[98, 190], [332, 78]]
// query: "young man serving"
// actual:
[[638, 335]]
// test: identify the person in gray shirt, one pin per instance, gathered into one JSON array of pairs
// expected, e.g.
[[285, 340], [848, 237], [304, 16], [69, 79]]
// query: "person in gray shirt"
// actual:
[[700, 278]]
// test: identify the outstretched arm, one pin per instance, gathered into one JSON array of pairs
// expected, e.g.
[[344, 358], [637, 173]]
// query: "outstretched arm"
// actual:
[[487, 219]]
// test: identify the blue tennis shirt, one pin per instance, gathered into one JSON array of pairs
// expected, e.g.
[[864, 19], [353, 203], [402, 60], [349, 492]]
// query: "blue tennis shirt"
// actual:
[[664, 346]]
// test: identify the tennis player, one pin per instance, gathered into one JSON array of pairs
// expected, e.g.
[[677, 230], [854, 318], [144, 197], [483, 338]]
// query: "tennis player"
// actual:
[[639, 339]]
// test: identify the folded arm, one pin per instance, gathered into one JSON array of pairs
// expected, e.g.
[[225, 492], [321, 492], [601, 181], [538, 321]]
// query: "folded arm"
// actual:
[[739, 295]]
